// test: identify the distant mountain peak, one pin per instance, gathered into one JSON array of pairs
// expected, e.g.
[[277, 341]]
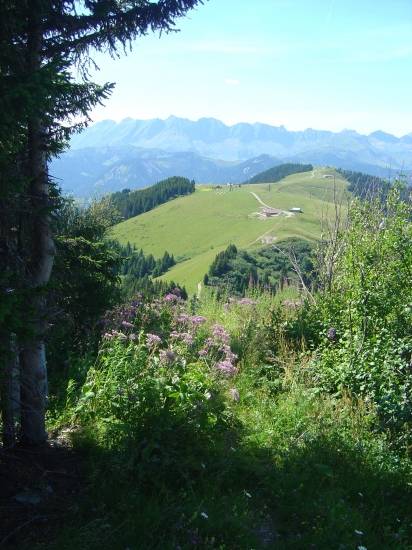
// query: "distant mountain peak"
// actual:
[[211, 138]]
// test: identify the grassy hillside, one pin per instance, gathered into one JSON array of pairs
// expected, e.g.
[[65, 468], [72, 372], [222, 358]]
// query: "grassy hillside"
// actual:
[[195, 228]]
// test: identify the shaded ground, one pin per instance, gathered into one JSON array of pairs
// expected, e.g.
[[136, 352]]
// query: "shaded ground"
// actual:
[[38, 488]]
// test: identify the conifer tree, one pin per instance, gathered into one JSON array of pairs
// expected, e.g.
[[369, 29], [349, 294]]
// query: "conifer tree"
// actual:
[[40, 41]]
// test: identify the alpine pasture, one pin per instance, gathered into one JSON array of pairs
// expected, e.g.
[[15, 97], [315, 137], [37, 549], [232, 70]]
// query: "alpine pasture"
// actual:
[[195, 228]]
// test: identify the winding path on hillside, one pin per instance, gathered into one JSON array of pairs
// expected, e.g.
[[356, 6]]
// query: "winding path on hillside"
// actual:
[[261, 202]]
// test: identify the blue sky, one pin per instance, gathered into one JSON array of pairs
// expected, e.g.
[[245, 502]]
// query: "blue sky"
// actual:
[[324, 64]]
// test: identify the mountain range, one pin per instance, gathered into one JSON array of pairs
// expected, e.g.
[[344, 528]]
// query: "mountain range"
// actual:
[[135, 153]]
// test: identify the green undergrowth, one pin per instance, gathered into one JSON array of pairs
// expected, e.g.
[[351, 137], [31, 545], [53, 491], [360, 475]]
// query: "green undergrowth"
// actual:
[[234, 447]]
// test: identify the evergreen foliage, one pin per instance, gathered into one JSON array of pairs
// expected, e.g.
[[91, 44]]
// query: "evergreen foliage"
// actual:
[[277, 173], [137, 264], [86, 281], [150, 288], [41, 41], [363, 185], [221, 263], [236, 271], [133, 203]]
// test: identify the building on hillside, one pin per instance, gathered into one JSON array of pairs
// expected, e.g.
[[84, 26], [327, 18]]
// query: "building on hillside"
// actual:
[[296, 209], [328, 176], [270, 212]]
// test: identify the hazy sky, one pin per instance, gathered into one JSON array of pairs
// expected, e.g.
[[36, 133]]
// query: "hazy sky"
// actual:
[[324, 64]]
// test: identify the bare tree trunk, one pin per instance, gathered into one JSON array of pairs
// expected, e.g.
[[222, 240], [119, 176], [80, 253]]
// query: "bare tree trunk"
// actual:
[[39, 266]]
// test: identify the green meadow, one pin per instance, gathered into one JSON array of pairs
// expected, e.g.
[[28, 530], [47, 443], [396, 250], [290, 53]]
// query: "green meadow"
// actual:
[[195, 228]]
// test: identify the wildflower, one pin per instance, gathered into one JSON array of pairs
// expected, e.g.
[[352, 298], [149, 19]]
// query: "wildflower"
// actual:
[[248, 495], [187, 338], [358, 532], [152, 340], [220, 335], [197, 320], [133, 336], [331, 334], [171, 298], [247, 302], [167, 356], [202, 352], [226, 367], [127, 324], [235, 394], [205, 516]]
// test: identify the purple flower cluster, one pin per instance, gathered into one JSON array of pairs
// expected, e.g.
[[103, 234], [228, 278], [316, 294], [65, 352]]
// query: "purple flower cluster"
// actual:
[[172, 298], [218, 348], [220, 336], [331, 334], [235, 394], [227, 368], [114, 334], [185, 337], [167, 356], [293, 305], [152, 340], [247, 302]]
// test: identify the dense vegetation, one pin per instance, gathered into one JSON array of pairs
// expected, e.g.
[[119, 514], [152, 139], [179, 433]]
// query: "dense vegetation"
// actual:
[[138, 271], [136, 264], [132, 203], [234, 271], [272, 419], [362, 184], [43, 43], [277, 173]]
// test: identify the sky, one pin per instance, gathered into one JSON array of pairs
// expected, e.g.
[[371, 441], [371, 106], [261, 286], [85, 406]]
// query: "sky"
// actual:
[[322, 64]]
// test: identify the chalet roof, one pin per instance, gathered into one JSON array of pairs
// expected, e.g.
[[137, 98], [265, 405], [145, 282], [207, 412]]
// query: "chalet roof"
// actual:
[[271, 211]]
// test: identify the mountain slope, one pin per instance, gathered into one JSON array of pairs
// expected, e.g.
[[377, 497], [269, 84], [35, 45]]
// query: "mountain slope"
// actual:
[[110, 169], [196, 227], [211, 138]]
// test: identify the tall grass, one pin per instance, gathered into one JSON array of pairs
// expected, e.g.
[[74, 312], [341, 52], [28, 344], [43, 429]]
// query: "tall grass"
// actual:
[[182, 451]]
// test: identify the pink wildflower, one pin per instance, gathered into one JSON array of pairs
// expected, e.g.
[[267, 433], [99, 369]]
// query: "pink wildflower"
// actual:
[[235, 394], [152, 340]]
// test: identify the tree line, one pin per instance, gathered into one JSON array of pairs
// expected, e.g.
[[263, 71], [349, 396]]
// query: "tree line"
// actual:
[[361, 184], [137, 264], [132, 203], [235, 271], [277, 173]]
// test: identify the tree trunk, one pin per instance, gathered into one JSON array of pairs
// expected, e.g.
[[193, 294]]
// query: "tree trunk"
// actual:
[[41, 255], [10, 399]]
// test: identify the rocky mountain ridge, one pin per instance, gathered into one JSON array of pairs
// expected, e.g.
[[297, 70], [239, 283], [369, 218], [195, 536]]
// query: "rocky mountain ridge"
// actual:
[[110, 156]]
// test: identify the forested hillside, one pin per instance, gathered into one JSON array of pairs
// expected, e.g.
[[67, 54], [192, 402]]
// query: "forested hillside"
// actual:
[[132, 203], [269, 269], [279, 172], [361, 184]]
